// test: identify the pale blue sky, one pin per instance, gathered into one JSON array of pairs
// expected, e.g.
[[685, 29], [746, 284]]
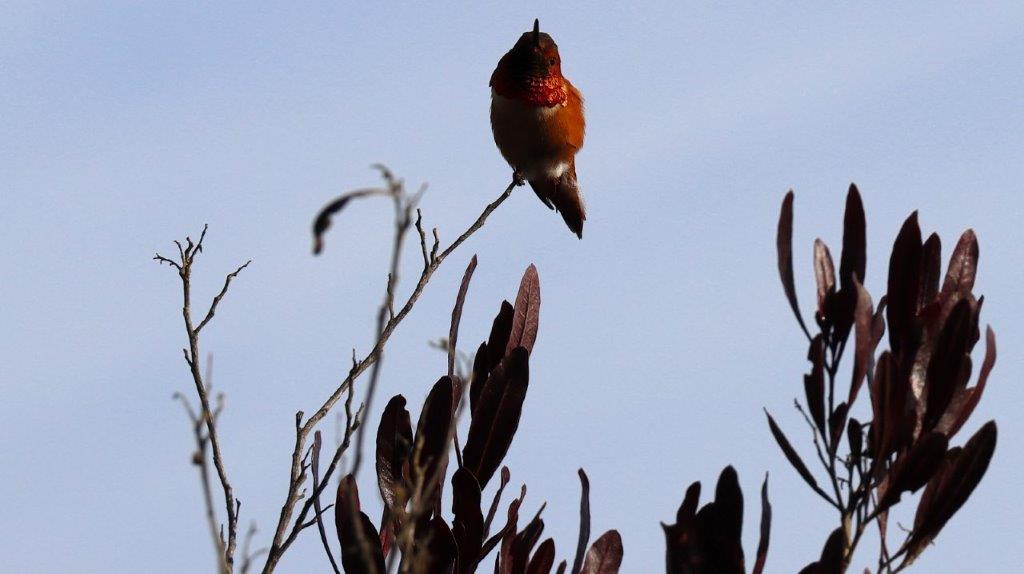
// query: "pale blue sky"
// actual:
[[663, 333]]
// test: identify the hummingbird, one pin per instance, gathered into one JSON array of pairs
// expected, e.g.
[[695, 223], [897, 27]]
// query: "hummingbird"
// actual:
[[538, 125]]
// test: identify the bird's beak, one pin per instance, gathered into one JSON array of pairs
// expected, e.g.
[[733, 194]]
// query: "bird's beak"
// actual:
[[536, 32]]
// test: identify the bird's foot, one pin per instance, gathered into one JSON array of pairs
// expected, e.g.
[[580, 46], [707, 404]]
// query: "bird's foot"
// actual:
[[518, 178]]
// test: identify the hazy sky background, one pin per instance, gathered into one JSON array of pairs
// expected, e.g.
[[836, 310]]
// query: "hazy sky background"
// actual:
[[663, 333]]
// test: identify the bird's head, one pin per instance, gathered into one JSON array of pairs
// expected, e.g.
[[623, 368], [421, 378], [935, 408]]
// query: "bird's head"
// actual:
[[532, 68]]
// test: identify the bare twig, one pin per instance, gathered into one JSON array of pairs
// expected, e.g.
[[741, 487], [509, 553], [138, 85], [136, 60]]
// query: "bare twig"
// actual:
[[282, 537], [206, 416]]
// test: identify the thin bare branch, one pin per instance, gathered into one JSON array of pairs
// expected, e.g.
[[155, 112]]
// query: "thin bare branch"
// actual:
[[207, 415], [282, 538]]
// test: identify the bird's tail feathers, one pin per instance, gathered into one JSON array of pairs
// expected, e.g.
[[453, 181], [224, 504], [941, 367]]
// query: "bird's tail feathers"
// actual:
[[563, 193]]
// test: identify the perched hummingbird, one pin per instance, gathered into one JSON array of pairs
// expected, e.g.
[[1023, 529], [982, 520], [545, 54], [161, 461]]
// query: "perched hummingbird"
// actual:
[[537, 120]]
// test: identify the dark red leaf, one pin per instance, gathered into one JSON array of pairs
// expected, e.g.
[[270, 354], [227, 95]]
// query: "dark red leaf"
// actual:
[[963, 266], [949, 489], [394, 445], [684, 540], [323, 219], [853, 261], [972, 395], [430, 452], [523, 543], [492, 352], [584, 537], [914, 468], [544, 559], [505, 477], [784, 246], [561, 567], [893, 417], [931, 268], [729, 513], [442, 548], [903, 290], [480, 372], [507, 535], [496, 417], [950, 366], [460, 300], [501, 333], [831, 561], [792, 456], [863, 317], [605, 556], [360, 543], [814, 382], [837, 424], [468, 522], [527, 313], [766, 528], [855, 436]]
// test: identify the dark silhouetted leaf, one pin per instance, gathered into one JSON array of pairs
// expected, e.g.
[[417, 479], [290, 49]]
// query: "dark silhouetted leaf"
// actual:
[[729, 511], [903, 289], [561, 567], [831, 561], [914, 468], [492, 352], [460, 300], [496, 417], [950, 365], [855, 436], [950, 488], [836, 425], [544, 559], [605, 556], [766, 529], [442, 548], [430, 451], [527, 313], [323, 219], [684, 540], [394, 445], [793, 458], [893, 416], [360, 543], [784, 246], [508, 531], [523, 543], [501, 333], [468, 523], [584, 537], [863, 317], [931, 268], [966, 406], [505, 477], [853, 261], [507, 535], [480, 372], [814, 383]]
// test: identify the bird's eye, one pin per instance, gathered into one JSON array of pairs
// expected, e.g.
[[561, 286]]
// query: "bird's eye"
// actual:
[[552, 62]]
